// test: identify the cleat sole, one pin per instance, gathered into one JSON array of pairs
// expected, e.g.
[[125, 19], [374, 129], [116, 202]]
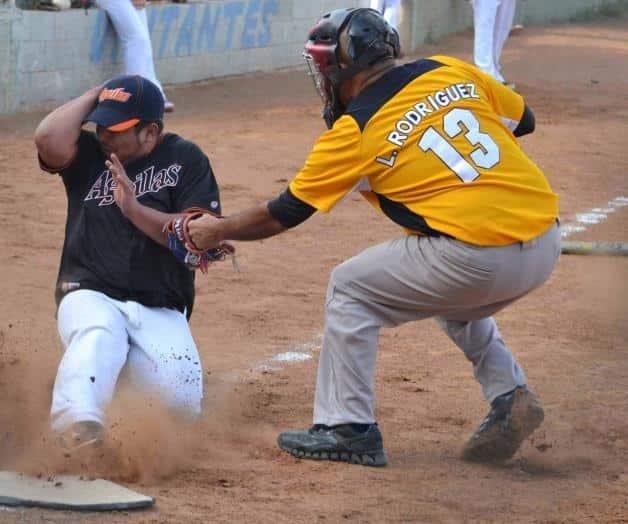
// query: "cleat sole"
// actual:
[[377, 459]]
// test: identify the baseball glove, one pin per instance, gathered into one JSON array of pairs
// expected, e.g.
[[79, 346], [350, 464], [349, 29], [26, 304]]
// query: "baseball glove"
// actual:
[[183, 248]]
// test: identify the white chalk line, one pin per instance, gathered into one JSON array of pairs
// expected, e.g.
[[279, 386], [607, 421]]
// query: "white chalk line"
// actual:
[[304, 351], [300, 352], [582, 221]]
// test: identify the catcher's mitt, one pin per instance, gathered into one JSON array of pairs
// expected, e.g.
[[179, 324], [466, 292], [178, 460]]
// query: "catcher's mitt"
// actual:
[[184, 249]]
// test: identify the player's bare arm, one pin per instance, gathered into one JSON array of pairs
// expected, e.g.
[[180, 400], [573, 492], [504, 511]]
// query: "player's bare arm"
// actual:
[[265, 220], [252, 224], [57, 135]]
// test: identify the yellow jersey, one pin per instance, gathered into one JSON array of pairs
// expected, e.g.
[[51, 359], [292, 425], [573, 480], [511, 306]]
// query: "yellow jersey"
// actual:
[[430, 144]]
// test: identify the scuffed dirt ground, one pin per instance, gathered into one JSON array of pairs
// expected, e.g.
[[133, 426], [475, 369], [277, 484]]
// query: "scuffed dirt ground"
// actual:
[[571, 335]]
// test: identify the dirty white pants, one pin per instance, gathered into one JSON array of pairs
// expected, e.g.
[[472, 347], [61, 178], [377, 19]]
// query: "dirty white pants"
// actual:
[[492, 22], [103, 336], [413, 278], [131, 26]]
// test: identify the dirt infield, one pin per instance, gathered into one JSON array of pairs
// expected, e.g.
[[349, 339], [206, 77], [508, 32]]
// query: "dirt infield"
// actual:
[[571, 335]]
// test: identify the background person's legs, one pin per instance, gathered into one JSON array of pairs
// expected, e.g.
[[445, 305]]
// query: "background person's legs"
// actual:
[[503, 25], [391, 12], [484, 19], [378, 5], [131, 26]]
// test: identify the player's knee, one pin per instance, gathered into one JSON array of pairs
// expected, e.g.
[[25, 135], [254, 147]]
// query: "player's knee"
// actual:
[[187, 406], [341, 275]]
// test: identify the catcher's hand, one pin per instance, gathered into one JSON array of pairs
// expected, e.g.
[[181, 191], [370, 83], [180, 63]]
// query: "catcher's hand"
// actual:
[[184, 249]]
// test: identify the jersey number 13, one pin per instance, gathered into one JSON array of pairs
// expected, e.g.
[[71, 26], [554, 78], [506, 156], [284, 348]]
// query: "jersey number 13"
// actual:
[[486, 155]]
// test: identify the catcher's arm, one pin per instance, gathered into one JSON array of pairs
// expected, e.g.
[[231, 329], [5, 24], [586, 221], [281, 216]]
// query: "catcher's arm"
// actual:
[[168, 230], [262, 221], [253, 224]]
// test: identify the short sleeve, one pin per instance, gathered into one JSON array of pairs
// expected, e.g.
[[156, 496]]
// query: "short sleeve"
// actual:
[[87, 150], [508, 104], [198, 186], [332, 169]]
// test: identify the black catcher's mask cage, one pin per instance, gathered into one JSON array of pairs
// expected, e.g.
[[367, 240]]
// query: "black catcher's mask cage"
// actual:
[[370, 40]]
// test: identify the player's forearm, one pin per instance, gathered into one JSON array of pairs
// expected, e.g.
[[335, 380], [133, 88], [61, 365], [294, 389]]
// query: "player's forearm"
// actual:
[[150, 222], [57, 134], [253, 224]]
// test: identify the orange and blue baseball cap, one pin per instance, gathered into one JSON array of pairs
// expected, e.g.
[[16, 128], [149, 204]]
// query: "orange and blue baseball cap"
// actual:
[[125, 101]]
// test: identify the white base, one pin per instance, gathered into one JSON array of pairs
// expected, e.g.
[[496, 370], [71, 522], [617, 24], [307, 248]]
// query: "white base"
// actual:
[[68, 492]]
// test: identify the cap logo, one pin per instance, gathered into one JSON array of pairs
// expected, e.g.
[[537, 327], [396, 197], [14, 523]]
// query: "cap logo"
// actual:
[[118, 94]]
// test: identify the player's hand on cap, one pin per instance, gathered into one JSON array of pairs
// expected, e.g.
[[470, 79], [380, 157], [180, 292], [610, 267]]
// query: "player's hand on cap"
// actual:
[[123, 188], [206, 231]]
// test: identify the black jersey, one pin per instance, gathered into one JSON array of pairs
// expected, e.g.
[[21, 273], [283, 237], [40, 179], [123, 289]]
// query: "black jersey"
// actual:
[[103, 251]]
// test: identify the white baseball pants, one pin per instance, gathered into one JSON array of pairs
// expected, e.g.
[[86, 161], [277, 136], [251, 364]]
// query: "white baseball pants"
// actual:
[[390, 10], [131, 26], [102, 337], [413, 278], [492, 22]]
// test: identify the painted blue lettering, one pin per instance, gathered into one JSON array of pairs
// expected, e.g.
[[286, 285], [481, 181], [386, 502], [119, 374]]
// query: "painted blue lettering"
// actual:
[[168, 15], [184, 40], [271, 7], [207, 30], [200, 25], [232, 10], [250, 24], [151, 16]]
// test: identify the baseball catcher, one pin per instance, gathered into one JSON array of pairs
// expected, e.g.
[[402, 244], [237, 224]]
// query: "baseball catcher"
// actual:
[[433, 146]]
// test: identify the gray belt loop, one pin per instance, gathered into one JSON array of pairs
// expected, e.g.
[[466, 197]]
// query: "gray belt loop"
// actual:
[[529, 244], [535, 241]]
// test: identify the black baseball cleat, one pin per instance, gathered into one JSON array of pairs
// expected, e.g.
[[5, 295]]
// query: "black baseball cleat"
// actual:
[[513, 418], [345, 443]]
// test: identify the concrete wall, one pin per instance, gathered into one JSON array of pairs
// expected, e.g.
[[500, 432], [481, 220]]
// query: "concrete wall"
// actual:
[[48, 57], [53, 56]]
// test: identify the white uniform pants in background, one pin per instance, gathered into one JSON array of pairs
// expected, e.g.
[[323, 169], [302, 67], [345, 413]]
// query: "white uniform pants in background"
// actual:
[[101, 336], [413, 278], [131, 26], [492, 22], [390, 10]]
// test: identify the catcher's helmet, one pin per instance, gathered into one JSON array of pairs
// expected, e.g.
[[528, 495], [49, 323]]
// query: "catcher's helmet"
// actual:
[[370, 39]]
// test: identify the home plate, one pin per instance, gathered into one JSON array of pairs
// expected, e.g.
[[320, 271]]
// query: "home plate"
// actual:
[[68, 492]]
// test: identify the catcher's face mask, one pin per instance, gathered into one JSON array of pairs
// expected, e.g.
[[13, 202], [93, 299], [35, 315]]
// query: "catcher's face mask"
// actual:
[[370, 39]]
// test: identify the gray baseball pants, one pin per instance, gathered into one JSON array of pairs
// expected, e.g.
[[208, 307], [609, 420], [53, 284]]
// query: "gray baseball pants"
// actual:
[[413, 278]]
